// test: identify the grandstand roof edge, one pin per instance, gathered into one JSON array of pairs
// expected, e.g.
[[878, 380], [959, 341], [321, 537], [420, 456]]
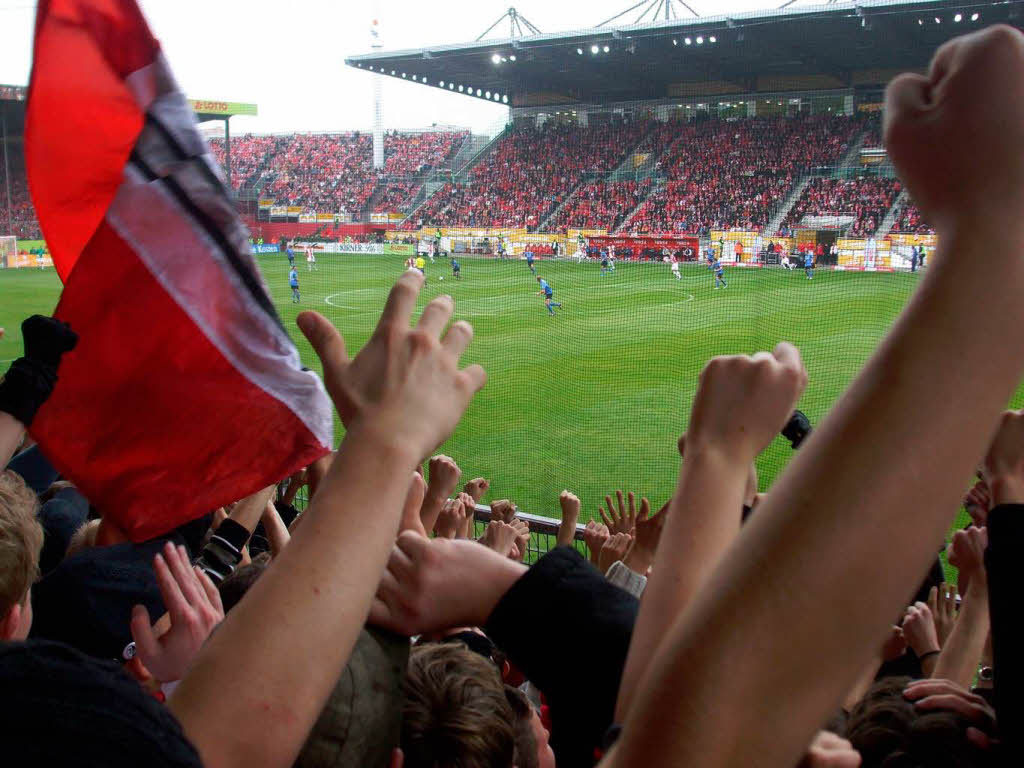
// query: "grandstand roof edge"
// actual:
[[663, 24]]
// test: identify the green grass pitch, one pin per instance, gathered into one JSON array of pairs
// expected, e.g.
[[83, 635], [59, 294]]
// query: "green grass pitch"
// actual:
[[594, 398]]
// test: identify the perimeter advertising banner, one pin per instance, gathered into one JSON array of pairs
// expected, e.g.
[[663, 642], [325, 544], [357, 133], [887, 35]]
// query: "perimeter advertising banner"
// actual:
[[688, 245]]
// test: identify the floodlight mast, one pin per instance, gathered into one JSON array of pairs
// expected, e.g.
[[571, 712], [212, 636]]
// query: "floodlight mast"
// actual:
[[378, 98], [654, 10], [517, 23]]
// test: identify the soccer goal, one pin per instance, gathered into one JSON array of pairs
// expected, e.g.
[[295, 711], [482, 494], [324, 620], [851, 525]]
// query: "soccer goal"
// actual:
[[8, 250]]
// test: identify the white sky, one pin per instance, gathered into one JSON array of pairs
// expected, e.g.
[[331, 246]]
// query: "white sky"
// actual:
[[287, 57]]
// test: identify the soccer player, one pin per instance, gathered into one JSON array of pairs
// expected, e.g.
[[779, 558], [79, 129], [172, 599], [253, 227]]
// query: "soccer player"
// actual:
[[529, 262], [786, 262], [291, 255], [719, 273], [293, 281], [456, 269], [310, 259], [421, 264], [675, 269], [604, 263], [545, 289], [809, 264]]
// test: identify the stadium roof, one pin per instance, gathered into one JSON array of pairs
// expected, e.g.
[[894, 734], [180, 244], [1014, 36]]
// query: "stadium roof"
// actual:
[[797, 48]]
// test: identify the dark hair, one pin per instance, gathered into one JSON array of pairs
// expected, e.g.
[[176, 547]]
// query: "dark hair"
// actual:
[[455, 714], [890, 732], [234, 587]]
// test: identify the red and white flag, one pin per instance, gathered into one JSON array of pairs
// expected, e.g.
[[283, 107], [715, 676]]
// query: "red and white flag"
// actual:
[[184, 392]]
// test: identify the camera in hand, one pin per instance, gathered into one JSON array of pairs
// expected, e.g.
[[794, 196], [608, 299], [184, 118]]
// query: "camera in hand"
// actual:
[[797, 428]]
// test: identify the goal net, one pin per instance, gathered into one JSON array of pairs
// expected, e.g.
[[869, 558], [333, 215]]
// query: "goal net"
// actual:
[[8, 250]]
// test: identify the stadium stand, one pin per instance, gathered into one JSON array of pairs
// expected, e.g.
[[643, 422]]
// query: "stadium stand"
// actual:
[[530, 172], [23, 215], [599, 205], [733, 174], [867, 200], [249, 156], [909, 221]]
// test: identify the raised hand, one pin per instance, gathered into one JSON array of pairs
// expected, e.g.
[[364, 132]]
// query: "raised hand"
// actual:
[[648, 533], [924, 116], [1003, 467], [942, 694], [613, 551], [499, 536], [451, 519], [570, 505], [404, 385], [743, 401], [978, 502], [476, 488], [830, 751], [522, 529], [503, 510], [919, 629], [415, 593], [444, 476], [595, 535], [469, 504], [967, 551], [894, 645], [942, 604], [193, 607], [624, 520]]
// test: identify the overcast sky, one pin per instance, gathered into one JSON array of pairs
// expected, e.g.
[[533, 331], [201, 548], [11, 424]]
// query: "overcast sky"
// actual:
[[287, 57]]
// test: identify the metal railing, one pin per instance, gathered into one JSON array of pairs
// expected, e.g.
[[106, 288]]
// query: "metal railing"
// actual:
[[543, 530]]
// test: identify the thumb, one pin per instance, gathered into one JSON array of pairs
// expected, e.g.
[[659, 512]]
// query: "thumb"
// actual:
[[324, 338], [907, 99]]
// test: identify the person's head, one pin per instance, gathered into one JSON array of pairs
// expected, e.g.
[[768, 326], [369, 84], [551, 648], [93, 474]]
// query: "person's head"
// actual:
[[456, 712], [21, 540], [234, 587], [888, 729], [83, 538], [532, 748], [538, 278]]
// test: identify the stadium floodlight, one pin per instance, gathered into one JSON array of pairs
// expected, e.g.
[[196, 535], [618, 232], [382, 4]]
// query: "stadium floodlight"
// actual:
[[487, 95], [700, 40], [606, 49], [460, 89], [496, 97], [675, 42], [504, 99], [414, 77], [392, 73], [512, 57], [920, 22], [688, 41], [478, 92], [579, 51], [451, 86], [496, 59], [975, 16], [938, 20], [958, 18], [594, 49], [712, 39]]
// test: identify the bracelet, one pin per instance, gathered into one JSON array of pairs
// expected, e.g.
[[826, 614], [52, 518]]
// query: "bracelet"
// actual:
[[927, 654]]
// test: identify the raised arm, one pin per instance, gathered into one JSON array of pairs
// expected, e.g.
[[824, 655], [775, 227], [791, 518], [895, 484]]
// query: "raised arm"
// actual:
[[842, 530], [400, 397]]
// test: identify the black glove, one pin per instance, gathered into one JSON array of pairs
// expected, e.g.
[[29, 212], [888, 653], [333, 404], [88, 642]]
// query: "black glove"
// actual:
[[30, 379]]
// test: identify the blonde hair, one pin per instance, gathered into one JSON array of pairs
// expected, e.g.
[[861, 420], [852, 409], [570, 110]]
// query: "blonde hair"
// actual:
[[21, 540]]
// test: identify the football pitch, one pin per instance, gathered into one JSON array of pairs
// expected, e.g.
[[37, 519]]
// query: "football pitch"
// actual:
[[594, 398]]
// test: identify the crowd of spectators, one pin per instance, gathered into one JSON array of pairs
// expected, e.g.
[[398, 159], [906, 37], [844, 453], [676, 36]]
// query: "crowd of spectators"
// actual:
[[867, 200], [249, 156], [733, 174], [800, 622], [909, 221], [22, 223], [530, 172], [599, 205]]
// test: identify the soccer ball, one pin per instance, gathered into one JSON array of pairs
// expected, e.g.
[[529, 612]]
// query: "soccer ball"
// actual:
[[441, 277]]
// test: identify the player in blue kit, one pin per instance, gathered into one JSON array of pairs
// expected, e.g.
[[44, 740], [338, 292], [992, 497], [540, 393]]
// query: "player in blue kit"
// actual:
[[529, 262], [293, 281], [719, 270], [809, 264], [456, 270], [291, 256], [604, 263], [545, 289]]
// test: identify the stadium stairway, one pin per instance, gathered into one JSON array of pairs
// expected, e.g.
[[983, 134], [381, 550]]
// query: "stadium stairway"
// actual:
[[783, 210], [851, 159], [632, 211], [890, 218], [542, 227], [479, 148]]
